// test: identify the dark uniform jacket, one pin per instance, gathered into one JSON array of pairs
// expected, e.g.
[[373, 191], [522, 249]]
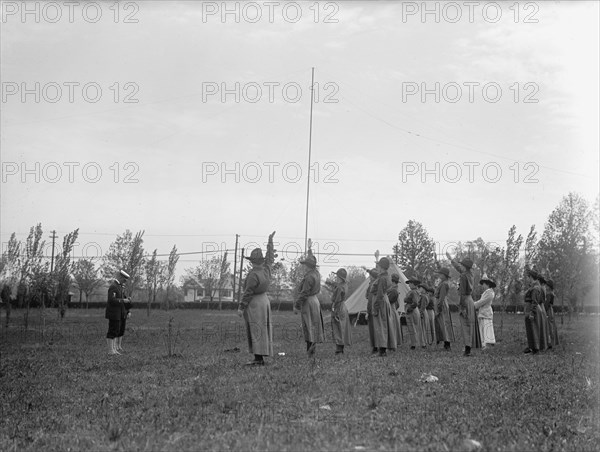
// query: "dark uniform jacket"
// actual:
[[310, 285], [117, 307], [257, 282]]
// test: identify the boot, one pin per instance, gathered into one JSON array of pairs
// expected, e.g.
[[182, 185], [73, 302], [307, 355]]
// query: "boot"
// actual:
[[312, 348], [339, 349], [118, 343], [446, 345], [382, 351], [467, 351], [114, 347], [111, 347], [258, 361]]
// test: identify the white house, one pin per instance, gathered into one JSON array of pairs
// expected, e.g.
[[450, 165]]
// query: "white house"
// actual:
[[194, 290]]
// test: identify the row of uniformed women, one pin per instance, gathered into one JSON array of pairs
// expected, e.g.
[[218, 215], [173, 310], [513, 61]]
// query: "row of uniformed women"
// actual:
[[427, 310], [540, 325]]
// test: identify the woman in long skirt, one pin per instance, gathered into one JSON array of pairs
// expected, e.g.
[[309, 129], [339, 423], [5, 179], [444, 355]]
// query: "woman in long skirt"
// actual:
[[371, 291], [255, 308], [384, 335], [413, 315], [549, 301], [340, 320], [544, 333], [308, 303], [423, 302], [395, 305], [468, 319], [430, 316], [443, 321], [533, 313], [485, 313]]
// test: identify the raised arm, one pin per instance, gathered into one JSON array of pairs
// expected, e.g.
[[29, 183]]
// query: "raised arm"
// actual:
[[270, 256]]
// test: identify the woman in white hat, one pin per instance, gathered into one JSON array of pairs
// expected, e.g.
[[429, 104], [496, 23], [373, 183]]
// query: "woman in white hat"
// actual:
[[485, 313], [340, 320]]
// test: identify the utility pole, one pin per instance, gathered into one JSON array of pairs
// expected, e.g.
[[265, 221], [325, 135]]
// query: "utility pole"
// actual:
[[53, 237], [240, 283], [235, 264]]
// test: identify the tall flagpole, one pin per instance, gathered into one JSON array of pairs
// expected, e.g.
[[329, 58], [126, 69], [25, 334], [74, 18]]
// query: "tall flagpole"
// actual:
[[312, 81]]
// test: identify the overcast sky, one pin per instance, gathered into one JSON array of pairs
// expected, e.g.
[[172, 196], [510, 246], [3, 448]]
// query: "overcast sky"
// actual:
[[130, 128]]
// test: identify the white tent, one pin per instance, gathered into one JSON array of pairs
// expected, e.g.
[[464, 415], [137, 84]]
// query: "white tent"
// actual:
[[357, 302]]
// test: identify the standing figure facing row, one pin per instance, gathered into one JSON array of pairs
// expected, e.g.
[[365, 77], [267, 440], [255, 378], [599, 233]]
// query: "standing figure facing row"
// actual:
[[117, 312]]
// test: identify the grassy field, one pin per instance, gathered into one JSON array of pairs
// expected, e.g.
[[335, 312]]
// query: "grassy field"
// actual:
[[59, 390]]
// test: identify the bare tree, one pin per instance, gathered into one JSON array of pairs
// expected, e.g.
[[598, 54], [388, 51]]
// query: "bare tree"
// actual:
[[169, 271], [152, 270], [62, 272], [86, 277], [126, 253]]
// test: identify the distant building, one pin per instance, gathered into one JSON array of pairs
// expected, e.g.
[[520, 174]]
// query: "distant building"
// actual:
[[196, 290]]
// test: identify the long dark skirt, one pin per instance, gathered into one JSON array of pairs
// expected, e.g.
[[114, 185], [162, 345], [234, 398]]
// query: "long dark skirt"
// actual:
[[413, 321], [312, 320], [259, 325]]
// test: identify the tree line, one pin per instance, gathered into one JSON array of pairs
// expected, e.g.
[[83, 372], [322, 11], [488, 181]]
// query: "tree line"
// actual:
[[566, 251]]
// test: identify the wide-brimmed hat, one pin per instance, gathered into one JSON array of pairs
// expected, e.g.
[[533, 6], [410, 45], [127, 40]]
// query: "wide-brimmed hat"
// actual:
[[550, 283], [444, 271], [342, 273], [124, 274], [310, 261], [384, 263], [534, 274], [413, 280], [490, 282], [395, 277], [467, 263], [256, 256]]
